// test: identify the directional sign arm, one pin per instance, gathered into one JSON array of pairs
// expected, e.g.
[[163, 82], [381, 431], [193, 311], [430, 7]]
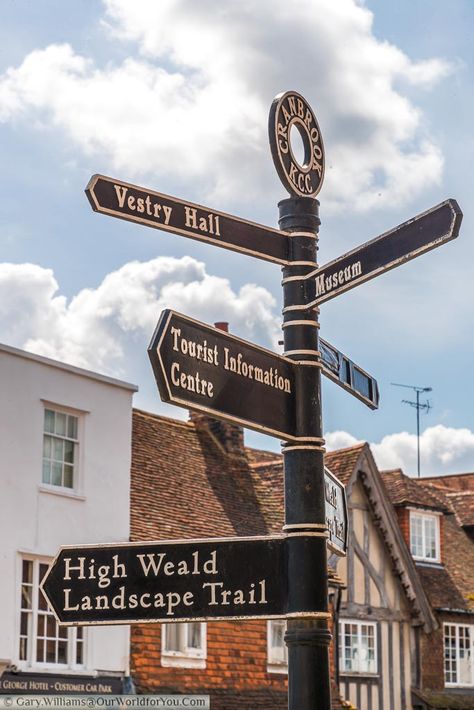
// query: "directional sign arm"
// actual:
[[345, 373], [200, 367], [424, 232], [170, 214]]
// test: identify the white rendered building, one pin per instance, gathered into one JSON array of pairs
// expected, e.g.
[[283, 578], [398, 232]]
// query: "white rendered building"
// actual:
[[65, 447]]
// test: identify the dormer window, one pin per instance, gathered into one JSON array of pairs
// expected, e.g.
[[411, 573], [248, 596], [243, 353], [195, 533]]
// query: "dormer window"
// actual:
[[424, 536]]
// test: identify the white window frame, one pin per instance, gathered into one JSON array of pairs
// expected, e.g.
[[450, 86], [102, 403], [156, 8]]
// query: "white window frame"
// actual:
[[426, 515], [30, 662], [457, 627], [359, 624], [186, 657], [78, 485], [277, 656]]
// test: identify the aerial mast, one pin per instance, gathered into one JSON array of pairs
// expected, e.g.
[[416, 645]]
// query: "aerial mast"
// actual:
[[425, 406]]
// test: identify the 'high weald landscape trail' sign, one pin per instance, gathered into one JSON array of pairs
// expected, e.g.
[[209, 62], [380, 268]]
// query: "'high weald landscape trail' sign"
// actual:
[[179, 580]]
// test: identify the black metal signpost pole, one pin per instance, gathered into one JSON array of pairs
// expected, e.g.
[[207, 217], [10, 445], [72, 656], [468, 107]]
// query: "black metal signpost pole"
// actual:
[[307, 639]]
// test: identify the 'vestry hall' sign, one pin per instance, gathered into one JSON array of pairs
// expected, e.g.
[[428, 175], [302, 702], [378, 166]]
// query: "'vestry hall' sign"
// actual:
[[178, 580], [154, 209], [200, 367]]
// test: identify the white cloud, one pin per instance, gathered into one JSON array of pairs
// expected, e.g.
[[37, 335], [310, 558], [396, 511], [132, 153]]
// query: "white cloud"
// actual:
[[191, 101], [339, 440], [108, 328], [443, 450]]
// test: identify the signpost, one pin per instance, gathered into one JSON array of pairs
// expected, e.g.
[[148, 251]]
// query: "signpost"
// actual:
[[203, 368], [181, 580]]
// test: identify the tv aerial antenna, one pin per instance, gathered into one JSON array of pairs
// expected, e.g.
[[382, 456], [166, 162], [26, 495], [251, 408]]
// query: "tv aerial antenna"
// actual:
[[419, 406]]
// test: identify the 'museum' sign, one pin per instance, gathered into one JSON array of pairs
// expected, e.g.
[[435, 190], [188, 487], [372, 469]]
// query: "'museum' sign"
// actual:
[[424, 232]]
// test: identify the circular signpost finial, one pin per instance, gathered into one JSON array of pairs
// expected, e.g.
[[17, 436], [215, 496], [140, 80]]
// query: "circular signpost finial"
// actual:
[[290, 114]]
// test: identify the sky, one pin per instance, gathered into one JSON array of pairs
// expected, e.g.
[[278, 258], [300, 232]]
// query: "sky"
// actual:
[[174, 96]]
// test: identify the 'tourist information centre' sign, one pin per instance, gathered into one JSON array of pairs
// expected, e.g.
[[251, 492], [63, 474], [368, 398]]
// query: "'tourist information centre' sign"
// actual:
[[200, 367]]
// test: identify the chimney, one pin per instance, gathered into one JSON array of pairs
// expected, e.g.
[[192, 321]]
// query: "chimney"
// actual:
[[230, 437]]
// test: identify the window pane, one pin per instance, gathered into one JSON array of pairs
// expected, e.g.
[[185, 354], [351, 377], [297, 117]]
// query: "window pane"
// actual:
[[68, 476], [51, 627], [51, 651], [49, 421], [430, 538], [46, 472], [57, 470], [60, 427], [172, 637], [46, 447], [58, 449], [24, 623], [26, 594], [69, 452], [62, 652], [23, 649], [62, 632], [27, 572], [278, 650], [194, 635], [464, 655], [40, 651], [72, 427], [79, 652]]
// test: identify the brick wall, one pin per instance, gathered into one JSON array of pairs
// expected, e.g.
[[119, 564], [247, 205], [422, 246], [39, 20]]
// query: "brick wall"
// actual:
[[236, 666], [441, 537], [432, 660], [403, 515]]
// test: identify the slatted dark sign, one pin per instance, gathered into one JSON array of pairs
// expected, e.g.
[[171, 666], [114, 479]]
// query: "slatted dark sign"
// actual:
[[170, 214], [179, 580]]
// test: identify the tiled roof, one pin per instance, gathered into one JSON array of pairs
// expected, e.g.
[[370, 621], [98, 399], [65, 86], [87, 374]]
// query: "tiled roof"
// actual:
[[459, 490], [183, 484], [452, 699], [455, 482], [463, 504], [404, 490], [450, 586], [343, 461]]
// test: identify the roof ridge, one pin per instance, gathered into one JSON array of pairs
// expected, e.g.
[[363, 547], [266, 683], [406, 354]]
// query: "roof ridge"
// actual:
[[168, 420], [266, 464], [358, 445]]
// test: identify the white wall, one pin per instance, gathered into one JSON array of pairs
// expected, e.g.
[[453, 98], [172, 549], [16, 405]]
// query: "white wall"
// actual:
[[37, 521]]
